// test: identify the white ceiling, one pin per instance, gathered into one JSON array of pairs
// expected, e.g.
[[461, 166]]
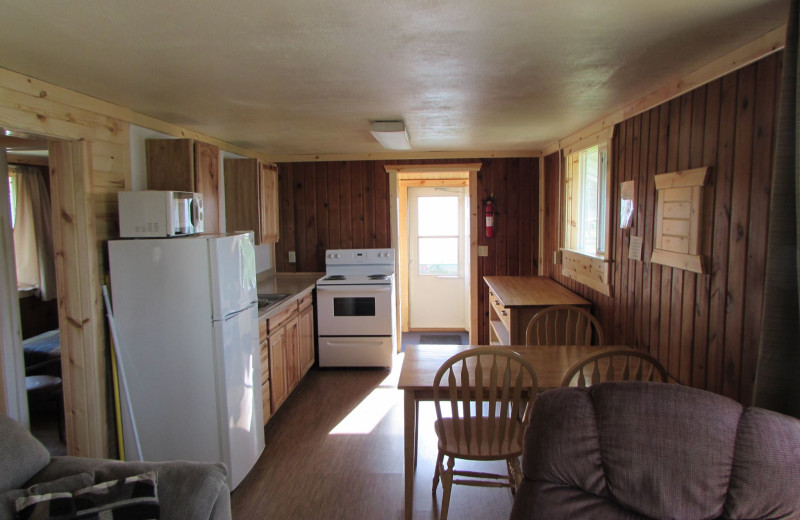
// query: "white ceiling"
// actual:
[[307, 76]]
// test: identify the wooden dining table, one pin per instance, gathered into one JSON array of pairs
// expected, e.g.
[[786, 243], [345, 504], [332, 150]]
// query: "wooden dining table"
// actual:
[[421, 362]]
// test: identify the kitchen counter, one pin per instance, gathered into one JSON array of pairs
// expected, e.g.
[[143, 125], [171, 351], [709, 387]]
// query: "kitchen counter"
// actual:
[[293, 284]]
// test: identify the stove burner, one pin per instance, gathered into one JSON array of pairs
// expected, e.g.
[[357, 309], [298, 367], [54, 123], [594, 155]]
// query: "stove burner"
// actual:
[[377, 277], [335, 277]]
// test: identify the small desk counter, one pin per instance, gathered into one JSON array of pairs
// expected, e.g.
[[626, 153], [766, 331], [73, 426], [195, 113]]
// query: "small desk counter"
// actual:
[[514, 300]]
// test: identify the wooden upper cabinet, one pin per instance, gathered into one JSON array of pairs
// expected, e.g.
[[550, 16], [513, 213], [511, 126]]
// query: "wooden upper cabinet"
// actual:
[[251, 198], [268, 184], [186, 165]]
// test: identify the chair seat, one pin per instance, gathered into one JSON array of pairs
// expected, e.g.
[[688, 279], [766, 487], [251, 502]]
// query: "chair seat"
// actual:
[[482, 446]]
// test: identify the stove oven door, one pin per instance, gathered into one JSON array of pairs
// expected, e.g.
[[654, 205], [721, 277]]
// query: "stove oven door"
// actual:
[[354, 310]]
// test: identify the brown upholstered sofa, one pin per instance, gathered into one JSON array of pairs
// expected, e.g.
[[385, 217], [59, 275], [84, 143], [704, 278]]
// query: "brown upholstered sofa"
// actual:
[[184, 490], [651, 450]]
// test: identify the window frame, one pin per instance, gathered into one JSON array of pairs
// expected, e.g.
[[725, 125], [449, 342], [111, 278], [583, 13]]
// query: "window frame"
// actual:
[[573, 184]]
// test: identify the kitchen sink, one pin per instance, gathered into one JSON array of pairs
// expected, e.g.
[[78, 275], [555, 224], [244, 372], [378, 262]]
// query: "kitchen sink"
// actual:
[[270, 300]]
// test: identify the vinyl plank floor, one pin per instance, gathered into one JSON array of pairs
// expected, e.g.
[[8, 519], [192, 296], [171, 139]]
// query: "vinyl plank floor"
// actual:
[[334, 451]]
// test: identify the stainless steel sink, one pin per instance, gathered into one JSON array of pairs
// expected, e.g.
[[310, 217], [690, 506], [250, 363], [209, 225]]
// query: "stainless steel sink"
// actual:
[[270, 300]]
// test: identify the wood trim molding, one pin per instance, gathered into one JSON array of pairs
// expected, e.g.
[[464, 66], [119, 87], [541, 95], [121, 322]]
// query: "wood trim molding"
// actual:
[[409, 169], [80, 312], [590, 271], [765, 45], [407, 156]]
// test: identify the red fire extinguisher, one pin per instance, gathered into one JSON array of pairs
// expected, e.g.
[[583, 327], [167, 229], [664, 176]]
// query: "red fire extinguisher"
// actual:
[[489, 209]]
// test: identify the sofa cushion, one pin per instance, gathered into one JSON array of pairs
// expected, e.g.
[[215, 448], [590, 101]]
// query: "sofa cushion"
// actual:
[[651, 463], [131, 497], [21, 455], [186, 490], [766, 467], [65, 484]]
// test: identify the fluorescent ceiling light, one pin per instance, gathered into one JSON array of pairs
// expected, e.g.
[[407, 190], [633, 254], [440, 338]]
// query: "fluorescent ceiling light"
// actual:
[[391, 134]]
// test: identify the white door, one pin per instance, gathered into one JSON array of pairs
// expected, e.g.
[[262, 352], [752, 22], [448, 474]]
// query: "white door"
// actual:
[[436, 267]]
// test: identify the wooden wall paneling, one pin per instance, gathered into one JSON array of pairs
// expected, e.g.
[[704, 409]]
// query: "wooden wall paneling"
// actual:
[[765, 109], [288, 241], [692, 281], [312, 215], [649, 313], [722, 222], [703, 287], [369, 205], [690, 112], [513, 228], [526, 203], [632, 332], [300, 202], [663, 282], [642, 304], [500, 187], [334, 205], [622, 144], [740, 216], [322, 208], [346, 205], [383, 235], [673, 299], [704, 328], [357, 202]]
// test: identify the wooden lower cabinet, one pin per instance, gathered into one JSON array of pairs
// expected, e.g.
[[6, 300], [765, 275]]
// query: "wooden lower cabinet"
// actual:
[[266, 401], [305, 330], [287, 351], [279, 387]]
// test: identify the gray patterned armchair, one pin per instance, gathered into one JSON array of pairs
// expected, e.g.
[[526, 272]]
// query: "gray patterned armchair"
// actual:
[[180, 490]]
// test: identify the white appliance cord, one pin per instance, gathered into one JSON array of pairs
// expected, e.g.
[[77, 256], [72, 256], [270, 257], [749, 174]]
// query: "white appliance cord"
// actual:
[[121, 370]]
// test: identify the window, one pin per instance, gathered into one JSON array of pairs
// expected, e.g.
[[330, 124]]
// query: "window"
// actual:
[[438, 236], [586, 201]]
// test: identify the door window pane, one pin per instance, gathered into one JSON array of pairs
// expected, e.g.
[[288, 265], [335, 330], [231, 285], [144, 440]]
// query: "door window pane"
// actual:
[[438, 216], [438, 256]]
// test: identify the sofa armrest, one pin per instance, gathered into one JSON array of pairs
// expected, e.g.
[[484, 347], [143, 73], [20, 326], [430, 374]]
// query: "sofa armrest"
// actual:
[[186, 490]]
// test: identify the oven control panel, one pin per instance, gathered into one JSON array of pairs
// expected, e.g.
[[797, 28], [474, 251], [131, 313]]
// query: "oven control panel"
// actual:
[[359, 256]]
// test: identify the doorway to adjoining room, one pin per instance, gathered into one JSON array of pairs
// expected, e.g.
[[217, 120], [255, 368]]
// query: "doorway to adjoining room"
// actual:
[[29, 207]]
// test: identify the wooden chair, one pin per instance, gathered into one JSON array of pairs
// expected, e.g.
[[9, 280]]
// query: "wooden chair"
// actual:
[[622, 364], [487, 393], [563, 325]]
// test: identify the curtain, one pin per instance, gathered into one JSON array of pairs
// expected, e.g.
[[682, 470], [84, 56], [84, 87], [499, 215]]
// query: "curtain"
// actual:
[[33, 234], [777, 384]]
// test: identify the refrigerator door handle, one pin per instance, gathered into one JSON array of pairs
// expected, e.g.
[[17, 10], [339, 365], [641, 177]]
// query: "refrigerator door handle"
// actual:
[[235, 313]]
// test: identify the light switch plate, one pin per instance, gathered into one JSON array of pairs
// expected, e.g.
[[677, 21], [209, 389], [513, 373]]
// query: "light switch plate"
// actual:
[[483, 250], [292, 257]]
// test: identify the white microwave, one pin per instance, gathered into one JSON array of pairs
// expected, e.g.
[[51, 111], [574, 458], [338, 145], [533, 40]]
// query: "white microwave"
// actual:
[[159, 213]]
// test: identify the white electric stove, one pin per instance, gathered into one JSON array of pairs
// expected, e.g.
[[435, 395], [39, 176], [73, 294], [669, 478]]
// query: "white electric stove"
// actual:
[[356, 309]]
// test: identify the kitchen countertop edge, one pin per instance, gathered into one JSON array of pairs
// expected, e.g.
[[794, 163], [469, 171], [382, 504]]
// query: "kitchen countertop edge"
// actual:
[[293, 284]]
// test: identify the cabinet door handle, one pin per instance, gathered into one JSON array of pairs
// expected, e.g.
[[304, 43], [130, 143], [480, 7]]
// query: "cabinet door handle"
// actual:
[[504, 313], [497, 302]]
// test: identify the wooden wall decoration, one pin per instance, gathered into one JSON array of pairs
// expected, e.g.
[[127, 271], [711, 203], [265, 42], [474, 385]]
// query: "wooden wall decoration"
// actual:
[[703, 328], [679, 208]]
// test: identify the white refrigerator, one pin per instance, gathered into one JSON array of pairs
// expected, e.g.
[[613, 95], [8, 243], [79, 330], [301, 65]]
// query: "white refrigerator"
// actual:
[[186, 315]]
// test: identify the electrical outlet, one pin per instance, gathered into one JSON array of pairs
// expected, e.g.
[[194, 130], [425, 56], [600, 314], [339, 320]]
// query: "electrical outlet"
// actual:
[[483, 250], [292, 257]]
